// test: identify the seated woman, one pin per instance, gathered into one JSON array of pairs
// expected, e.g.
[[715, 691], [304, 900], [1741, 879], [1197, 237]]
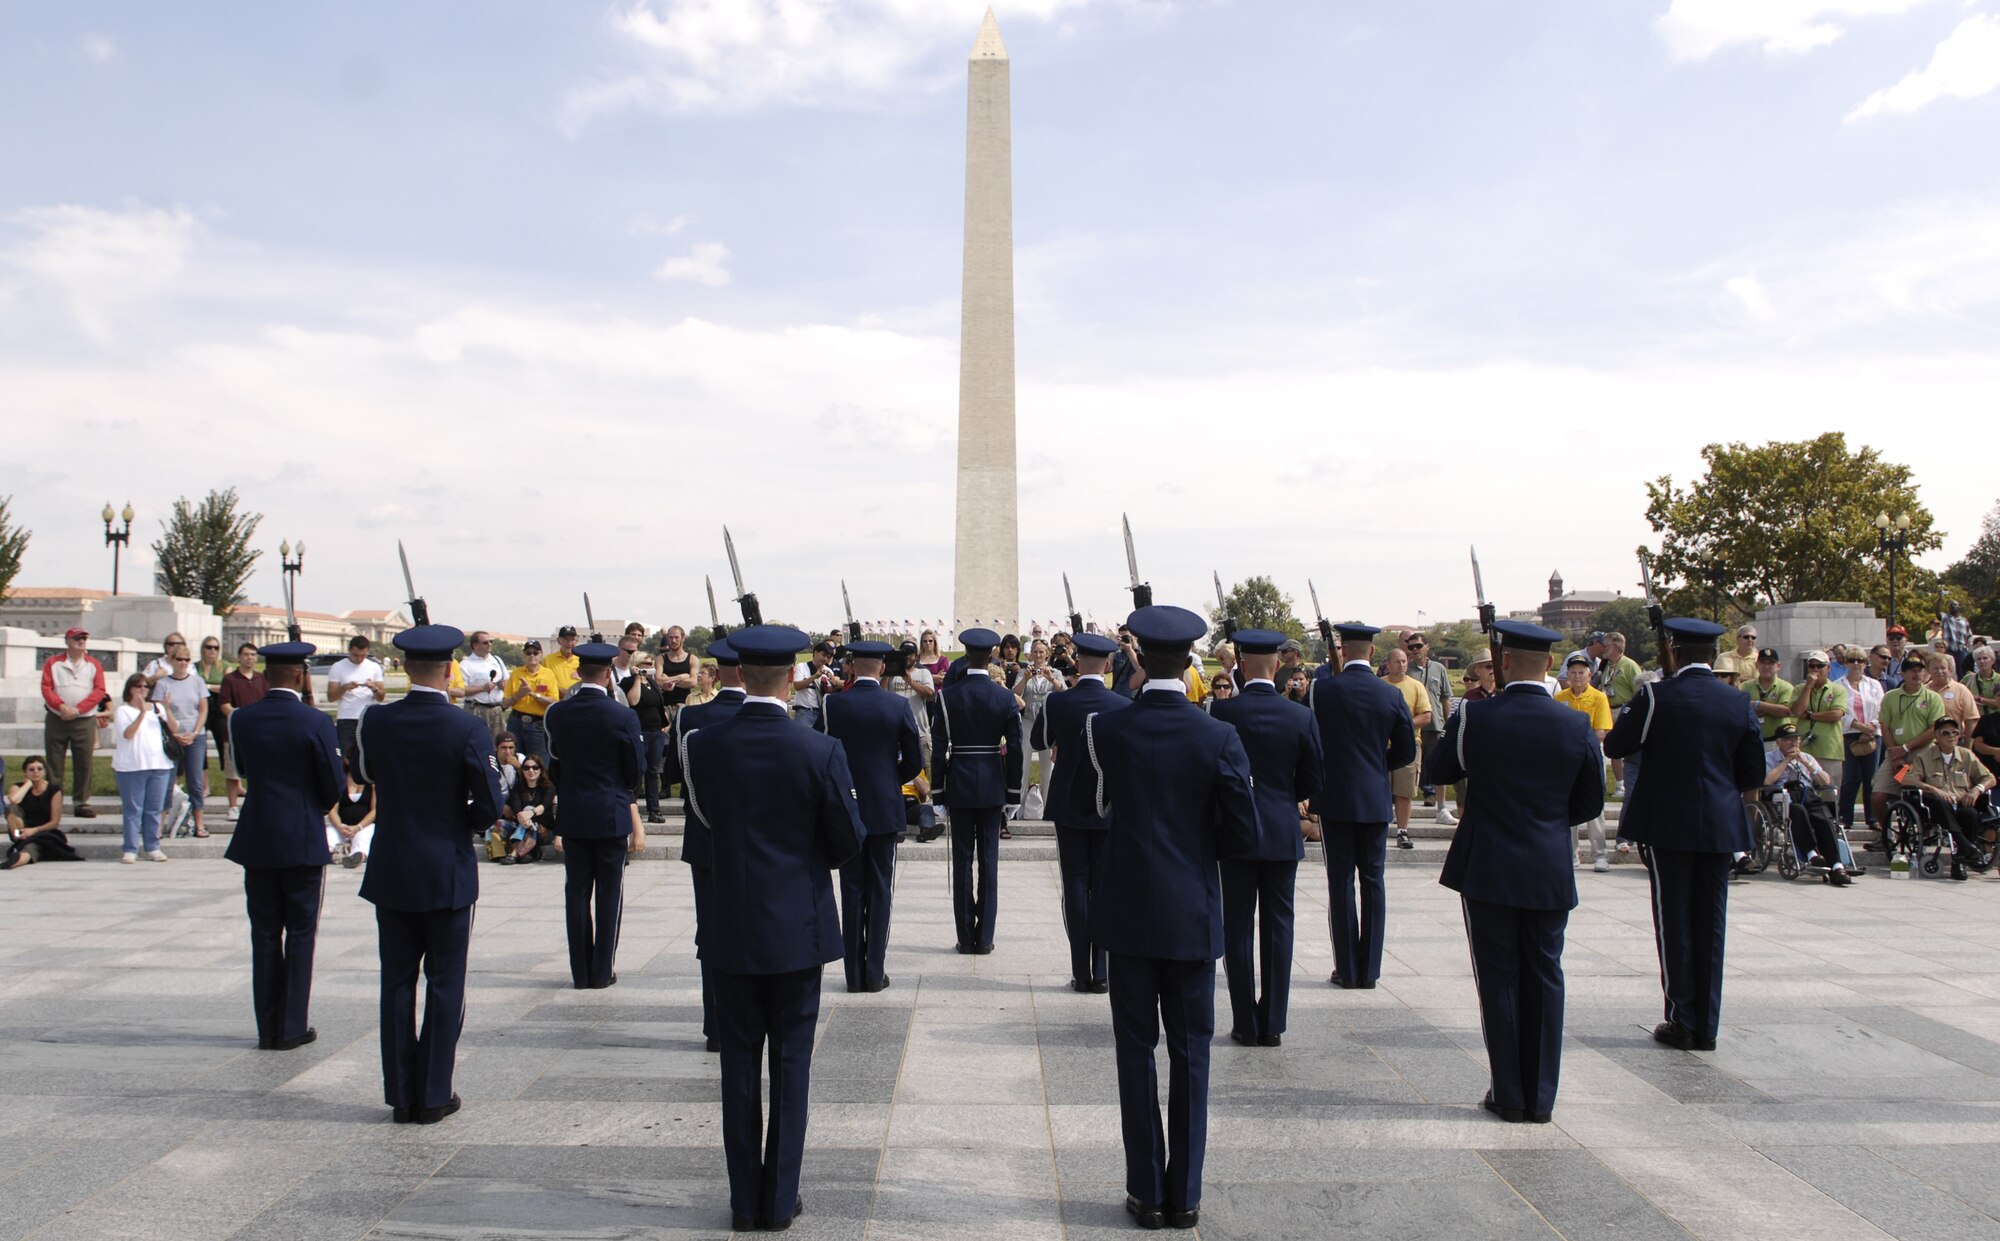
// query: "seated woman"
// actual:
[[350, 825], [1800, 773], [34, 820], [1953, 780], [531, 814]]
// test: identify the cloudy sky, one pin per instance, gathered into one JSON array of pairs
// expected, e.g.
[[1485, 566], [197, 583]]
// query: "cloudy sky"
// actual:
[[552, 292]]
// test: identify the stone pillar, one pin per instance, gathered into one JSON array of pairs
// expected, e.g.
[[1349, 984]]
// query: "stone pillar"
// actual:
[[1792, 629], [986, 564]]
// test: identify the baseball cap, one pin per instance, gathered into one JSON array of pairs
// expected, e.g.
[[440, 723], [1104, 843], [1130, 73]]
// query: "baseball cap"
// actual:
[[1291, 644], [567, 631], [1897, 631], [1767, 652], [75, 631], [1575, 657], [1787, 729], [532, 644], [1596, 635], [1913, 660], [1817, 657]]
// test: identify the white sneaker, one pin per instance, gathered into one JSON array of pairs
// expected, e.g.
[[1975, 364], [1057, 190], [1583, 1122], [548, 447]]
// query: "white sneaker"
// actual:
[[1601, 865], [156, 856], [1446, 818], [128, 858]]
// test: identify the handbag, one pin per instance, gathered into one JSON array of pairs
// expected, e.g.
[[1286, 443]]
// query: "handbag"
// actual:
[[168, 742], [1860, 745]]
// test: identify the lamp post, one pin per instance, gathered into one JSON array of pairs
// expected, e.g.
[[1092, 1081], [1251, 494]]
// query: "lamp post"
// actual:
[[291, 567], [1892, 535], [117, 539]]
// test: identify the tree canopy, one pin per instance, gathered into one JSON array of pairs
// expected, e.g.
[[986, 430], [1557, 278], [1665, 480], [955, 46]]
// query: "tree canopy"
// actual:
[[1257, 603], [1786, 522], [204, 550], [13, 545], [1628, 616], [1975, 580]]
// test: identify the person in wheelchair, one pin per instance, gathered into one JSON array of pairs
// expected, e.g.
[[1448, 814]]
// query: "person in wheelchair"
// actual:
[[1954, 783], [1799, 773]]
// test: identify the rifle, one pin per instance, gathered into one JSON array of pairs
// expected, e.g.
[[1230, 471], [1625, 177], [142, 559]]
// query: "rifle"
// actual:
[[1656, 616], [1222, 609], [1075, 617], [853, 626], [752, 614], [1142, 592], [1325, 625], [420, 612], [1487, 614], [715, 625], [590, 620]]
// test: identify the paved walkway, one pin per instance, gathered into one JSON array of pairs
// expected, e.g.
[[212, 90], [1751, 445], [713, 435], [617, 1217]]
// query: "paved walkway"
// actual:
[[1856, 1091]]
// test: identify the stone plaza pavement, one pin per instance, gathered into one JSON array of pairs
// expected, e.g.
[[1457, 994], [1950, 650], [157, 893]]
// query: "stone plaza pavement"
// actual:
[[1855, 1093]]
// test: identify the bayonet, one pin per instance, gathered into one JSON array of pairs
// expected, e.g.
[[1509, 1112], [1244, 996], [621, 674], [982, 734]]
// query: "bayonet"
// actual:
[[1142, 592], [1325, 626], [1487, 611], [1222, 610], [853, 626], [1655, 614], [420, 612], [715, 625], [590, 619], [752, 614], [1075, 617]]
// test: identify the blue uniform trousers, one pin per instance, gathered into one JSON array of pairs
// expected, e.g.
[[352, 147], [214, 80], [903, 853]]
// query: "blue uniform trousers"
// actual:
[[1356, 850], [1163, 1166], [1080, 854], [700, 874], [417, 1065], [975, 914], [593, 876], [284, 921], [763, 1160], [1690, 914], [867, 885], [1517, 970], [1258, 894]]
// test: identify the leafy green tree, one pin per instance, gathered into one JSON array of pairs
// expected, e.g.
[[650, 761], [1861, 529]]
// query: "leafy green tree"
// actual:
[[1975, 580], [1628, 616], [1257, 603], [1456, 641], [1785, 522], [204, 551], [698, 639], [13, 545]]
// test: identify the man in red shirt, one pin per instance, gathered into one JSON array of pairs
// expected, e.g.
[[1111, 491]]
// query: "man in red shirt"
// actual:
[[241, 686], [72, 689]]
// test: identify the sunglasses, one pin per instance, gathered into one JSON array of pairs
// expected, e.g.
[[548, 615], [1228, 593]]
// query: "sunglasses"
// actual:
[[531, 766]]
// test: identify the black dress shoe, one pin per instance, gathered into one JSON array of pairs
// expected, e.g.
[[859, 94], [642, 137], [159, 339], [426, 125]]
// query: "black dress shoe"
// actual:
[[1149, 1217], [432, 1115], [267, 1044], [779, 1225], [1179, 1217], [983, 950], [1512, 1115], [1334, 978], [1246, 1039], [85, 812], [1101, 986], [402, 1115], [881, 984], [289, 1044], [609, 982], [742, 1223], [966, 950], [715, 1044], [1673, 1034], [854, 988], [1271, 1040], [1540, 1118], [1079, 986], [1839, 878]]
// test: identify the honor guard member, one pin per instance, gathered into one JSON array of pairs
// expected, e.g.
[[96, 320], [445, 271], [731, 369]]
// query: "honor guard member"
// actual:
[[1178, 788], [1532, 768], [1282, 740], [1365, 730], [779, 804], [1702, 752], [884, 752], [596, 756], [1080, 830], [977, 754], [280, 840], [694, 832], [436, 782]]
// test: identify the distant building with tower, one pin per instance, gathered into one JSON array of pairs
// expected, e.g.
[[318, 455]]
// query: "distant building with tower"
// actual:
[[1570, 611]]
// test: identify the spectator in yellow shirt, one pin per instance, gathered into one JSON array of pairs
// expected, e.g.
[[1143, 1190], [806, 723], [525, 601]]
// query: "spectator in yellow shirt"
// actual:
[[1579, 694], [531, 690], [1403, 781], [563, 662]]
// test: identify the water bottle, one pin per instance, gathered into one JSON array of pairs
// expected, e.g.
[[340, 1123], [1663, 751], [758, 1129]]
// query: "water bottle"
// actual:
[[1899, 866]]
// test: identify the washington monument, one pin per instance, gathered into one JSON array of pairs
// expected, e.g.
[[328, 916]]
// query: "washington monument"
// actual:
[[986, 578]]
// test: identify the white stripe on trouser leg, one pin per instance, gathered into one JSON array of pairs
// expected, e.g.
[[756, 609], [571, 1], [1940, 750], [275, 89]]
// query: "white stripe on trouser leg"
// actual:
[[1659, 928], [1465, 913]]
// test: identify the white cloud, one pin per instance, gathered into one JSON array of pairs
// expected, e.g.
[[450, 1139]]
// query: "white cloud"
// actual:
[[736, 55], [1697, 29], [1965, 66], [102, 263], [98, 49], [707, 263], [1749, 292]]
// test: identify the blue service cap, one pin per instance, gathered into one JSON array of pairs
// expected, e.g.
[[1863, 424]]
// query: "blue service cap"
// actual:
[[1524, 636], [869, 650], [287, 652], [1693, 629], [1259, 641], [1165, 625], [595, 652], [768, 645], [1355, 631], [979, 639], [723, 653], [1094, 644], [429, 642]]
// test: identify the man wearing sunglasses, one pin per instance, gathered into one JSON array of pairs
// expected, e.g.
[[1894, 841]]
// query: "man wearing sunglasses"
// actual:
[[1436, 679]]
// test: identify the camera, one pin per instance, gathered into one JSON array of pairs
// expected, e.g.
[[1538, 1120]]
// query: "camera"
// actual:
[[896, 664]]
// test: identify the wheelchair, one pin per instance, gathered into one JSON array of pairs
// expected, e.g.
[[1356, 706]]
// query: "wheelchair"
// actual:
[[1915, 828], [1783, 836]]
